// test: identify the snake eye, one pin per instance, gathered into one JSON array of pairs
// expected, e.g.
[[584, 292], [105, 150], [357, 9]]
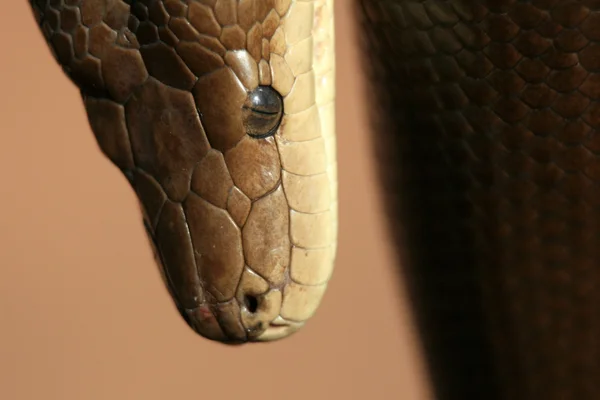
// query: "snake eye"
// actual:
[[262, 112]]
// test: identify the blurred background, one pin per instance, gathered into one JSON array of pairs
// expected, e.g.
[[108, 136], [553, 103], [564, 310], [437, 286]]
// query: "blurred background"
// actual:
[[83, 312]]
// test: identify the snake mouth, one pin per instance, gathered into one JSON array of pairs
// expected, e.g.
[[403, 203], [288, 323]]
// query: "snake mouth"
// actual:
[[278, 329], [275, 332]]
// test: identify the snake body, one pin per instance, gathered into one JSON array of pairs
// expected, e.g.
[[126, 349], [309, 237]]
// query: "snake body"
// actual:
[[489, 116], [220, 113]]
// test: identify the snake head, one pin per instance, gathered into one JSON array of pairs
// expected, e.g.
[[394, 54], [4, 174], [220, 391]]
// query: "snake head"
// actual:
[[220, 115]]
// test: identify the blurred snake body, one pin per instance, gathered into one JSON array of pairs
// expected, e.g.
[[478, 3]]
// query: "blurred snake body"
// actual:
[[220, 113]]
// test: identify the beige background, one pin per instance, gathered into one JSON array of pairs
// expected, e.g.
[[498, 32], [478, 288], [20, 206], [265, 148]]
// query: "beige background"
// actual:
[[83, 313]]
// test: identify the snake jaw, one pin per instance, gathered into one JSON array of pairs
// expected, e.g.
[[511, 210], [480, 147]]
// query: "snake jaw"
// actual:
[[277, 332]]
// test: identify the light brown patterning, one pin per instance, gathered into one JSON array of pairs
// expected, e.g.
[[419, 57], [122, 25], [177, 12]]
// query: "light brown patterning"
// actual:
[[220, 114]]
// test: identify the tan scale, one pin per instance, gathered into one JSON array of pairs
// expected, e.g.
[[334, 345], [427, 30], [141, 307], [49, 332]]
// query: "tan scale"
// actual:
[[220, 114]]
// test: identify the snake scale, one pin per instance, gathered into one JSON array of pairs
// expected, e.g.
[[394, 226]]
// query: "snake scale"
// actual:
[[220, 113]]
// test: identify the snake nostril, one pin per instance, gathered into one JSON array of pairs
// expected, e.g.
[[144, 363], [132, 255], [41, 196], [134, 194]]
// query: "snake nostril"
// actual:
[[251, 303]]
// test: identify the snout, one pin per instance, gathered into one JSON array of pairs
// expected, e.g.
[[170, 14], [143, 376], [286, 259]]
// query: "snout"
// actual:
[[252, 316]]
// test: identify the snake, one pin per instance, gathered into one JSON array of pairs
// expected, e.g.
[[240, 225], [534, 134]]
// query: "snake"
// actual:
[[487, 120], [485, 113], [220, 114]]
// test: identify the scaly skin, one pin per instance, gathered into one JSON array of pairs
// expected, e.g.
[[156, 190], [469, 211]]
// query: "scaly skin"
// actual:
[[241, 209], [489, 116]]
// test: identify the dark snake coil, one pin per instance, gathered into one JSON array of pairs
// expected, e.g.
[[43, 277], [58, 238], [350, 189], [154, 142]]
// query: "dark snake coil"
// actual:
[[487, 117]]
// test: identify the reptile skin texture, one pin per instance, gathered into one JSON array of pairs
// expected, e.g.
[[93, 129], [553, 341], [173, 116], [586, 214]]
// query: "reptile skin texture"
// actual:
[[487, 116], [220, 115]]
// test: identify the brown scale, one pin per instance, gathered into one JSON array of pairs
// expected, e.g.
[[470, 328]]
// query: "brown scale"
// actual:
[[177, 93], [487, 113]]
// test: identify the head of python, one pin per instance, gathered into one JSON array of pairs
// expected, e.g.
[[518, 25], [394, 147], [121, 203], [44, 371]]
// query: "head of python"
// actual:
[[220, 114]]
